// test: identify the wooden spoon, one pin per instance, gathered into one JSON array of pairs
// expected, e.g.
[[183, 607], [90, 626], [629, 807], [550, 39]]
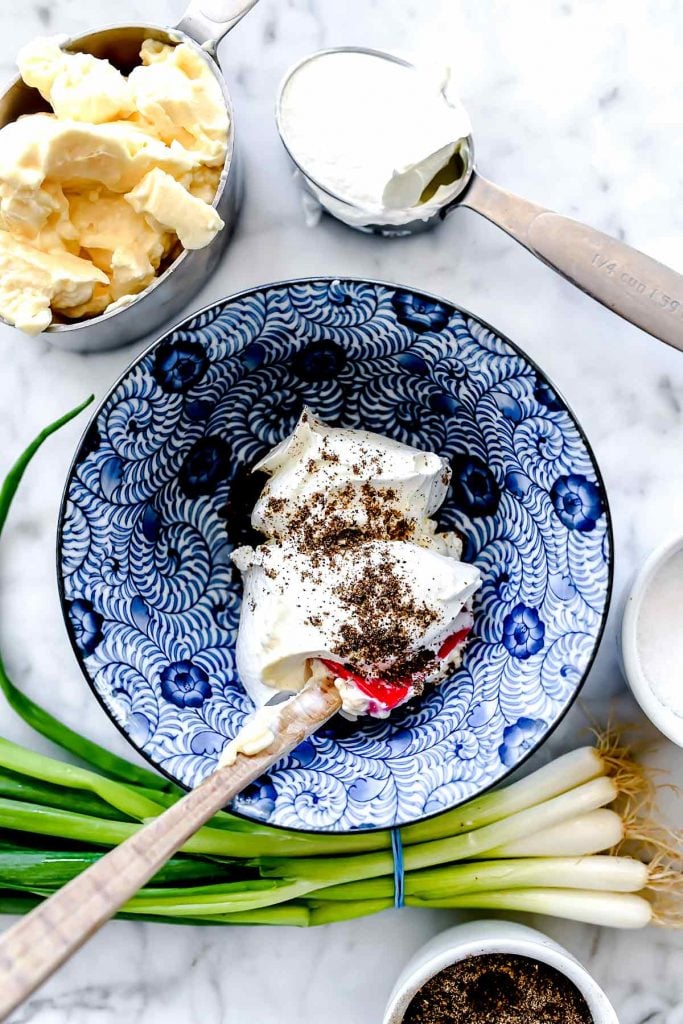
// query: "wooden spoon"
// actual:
[[32, 949]]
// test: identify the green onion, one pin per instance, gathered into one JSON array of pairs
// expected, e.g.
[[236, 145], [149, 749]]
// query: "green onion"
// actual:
[[122, 798], [219, 899], [45, 870], [331, 913], [610, 909], [48, 821], [294, 915], [588, 833], [463, 846], [613, 874], [33, 790]]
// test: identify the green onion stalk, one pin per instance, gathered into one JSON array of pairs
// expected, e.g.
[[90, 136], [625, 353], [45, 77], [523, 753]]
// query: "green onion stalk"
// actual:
[[550, 843]]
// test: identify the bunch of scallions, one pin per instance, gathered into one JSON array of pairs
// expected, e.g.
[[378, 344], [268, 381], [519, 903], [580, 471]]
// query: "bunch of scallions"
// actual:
[[548, 843]]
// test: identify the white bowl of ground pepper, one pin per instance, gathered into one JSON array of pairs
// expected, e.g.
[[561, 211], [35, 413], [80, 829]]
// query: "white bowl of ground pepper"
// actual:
[[496, 971]]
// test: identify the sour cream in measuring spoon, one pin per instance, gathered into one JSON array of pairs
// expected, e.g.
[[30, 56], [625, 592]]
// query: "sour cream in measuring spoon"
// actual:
[[378, 141]]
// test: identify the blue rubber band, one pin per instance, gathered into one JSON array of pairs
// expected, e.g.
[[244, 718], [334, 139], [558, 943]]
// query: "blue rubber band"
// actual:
[[399, 873]]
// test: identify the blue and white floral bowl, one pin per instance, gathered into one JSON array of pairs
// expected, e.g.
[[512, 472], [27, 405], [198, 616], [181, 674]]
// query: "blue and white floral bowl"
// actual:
[[160, 492]]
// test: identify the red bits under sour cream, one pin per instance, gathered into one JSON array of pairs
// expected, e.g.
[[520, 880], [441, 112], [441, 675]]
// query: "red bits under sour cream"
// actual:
[[387, 694]]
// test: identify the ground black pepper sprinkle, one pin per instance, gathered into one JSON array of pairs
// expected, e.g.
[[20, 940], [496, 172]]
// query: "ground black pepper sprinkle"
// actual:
[[498, 988], [275, 505], [384, 620], [327, 524]]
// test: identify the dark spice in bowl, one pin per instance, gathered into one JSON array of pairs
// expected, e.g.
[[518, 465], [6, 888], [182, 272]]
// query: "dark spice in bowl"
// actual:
[[498, 988]]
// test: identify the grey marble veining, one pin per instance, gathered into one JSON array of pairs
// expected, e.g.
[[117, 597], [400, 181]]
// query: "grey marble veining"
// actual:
[[575, 105]]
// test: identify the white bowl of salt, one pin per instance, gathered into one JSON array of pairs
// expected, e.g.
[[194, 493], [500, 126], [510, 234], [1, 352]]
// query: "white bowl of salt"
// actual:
[[652, 639]]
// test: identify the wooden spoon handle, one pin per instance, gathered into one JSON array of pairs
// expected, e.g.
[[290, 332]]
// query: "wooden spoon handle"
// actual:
[[33, 948]]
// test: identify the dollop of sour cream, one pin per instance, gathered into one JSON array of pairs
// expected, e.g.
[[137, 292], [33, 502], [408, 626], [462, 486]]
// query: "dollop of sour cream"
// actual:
[[317, 458], [377, 140], [353, 581], [292, 613]]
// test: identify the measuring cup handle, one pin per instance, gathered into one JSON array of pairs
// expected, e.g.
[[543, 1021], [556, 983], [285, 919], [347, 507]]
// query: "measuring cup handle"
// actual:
[[638, 288], [207, 21]]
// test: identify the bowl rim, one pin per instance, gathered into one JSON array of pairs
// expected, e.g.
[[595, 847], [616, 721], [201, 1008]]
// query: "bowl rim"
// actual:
[[665, 719], [330, 279]]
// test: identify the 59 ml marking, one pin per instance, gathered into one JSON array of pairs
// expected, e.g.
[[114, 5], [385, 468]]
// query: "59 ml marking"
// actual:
[[634, 284]]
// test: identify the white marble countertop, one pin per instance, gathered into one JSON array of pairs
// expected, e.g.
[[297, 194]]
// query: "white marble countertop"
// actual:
[[575, 105]]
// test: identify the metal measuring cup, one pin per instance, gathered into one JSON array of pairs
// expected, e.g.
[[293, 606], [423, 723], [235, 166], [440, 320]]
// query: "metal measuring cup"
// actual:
[[631, 284], [184, 272]]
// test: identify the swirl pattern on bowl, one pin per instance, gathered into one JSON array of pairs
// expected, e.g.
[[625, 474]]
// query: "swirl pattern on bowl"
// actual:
[[160, 493]]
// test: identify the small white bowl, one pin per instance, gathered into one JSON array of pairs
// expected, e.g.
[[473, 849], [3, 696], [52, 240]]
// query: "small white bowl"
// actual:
[[663, 717], [491, 936]]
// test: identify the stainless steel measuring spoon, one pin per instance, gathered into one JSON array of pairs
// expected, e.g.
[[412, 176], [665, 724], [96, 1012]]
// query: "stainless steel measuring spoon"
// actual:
[[631, 284]]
